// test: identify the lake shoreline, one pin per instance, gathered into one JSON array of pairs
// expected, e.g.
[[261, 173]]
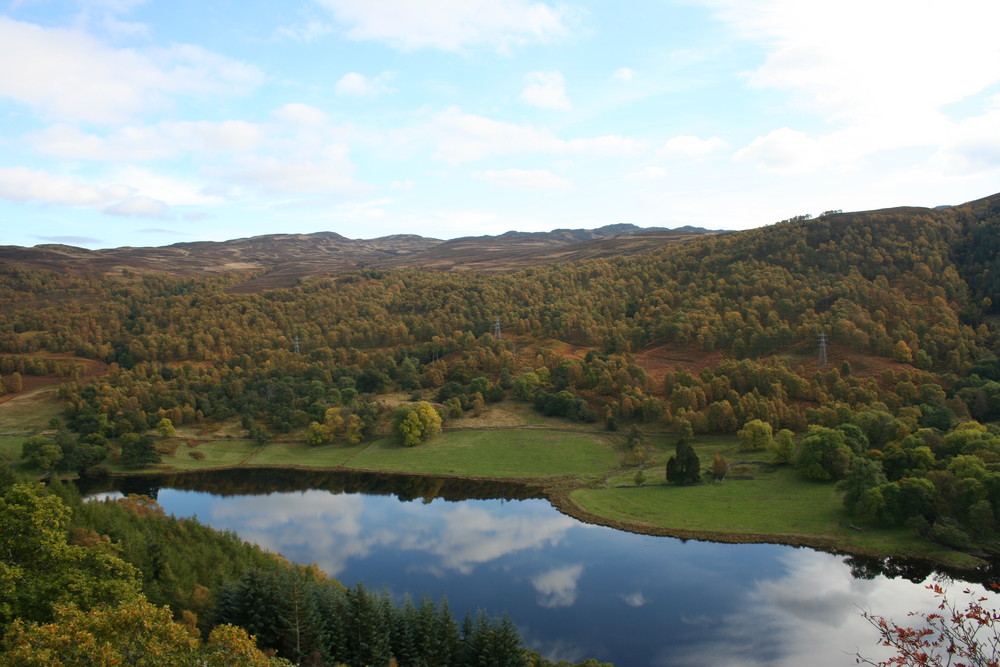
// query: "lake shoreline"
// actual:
[[557, 491]]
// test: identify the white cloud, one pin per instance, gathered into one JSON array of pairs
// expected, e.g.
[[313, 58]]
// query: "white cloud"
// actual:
[[472, 536], [193, 68], [152, 142], [786, 150], [354, 84], [463, 137], [309, 32], [811, 615], [21, 184], [624, 74], [558, 587], [331, 524], [687, 145], [883, 74], [297, 113], [228, 136], [636, 599], [857, 59], [175, 192], [649, 173], [973, 146], [525, 178], [783, 150], [71, 75], [451, 25], [31, 185], [608, 144], [141, 206], [344, 526], [546, 90], [328, 173]]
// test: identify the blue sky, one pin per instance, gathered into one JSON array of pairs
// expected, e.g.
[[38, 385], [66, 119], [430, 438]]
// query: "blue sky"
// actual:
[[144, 122]]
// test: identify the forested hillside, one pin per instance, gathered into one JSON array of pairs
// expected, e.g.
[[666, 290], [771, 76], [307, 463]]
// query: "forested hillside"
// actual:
[[914, 287], [868, 338]]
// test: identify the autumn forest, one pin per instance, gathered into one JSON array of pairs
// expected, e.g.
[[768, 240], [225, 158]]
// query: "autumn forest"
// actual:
[[857, 349]]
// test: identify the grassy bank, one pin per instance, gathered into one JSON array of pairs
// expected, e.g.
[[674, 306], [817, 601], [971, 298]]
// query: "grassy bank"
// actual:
[[500, 453], [777, 506]]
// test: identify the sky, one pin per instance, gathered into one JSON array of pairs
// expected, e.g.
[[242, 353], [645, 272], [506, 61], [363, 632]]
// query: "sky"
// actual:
[[147, 122]]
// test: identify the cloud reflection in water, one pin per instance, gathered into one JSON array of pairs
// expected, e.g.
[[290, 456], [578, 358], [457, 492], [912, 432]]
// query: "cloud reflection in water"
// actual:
[[643, 601], [558, 587], [342, 527], [809, 616]]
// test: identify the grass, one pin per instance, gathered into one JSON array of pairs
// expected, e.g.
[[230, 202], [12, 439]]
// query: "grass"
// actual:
[[495, 453], [300, 454], [472, 453], [777, 503], [10, 453], [217, 454], [30, 412]]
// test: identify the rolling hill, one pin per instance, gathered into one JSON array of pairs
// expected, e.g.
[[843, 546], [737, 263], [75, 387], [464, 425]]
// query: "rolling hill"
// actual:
[[283, 259]]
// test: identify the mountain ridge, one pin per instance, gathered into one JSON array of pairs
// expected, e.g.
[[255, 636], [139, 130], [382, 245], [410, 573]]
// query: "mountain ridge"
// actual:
[[285, 258]]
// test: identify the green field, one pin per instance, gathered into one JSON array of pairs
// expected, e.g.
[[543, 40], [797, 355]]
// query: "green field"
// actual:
[[496, 453], [471, 453], [776, 505]]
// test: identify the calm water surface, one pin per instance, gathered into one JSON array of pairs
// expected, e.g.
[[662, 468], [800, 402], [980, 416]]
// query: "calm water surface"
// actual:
[[576, 590]]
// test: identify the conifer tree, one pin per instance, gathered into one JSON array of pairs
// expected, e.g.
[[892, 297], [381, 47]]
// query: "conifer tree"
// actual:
[[684, 467]]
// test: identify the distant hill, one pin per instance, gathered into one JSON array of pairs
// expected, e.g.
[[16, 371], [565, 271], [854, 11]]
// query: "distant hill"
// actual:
[[286, 258]]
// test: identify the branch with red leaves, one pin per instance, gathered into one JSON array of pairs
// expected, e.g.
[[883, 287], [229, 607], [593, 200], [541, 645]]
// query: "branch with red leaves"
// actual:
[[949, 637]]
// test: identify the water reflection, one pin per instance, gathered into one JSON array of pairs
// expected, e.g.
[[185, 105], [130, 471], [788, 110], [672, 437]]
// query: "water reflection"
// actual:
[[808, 616], [263, 481], [558, 586], [339, 528], [574, 590]]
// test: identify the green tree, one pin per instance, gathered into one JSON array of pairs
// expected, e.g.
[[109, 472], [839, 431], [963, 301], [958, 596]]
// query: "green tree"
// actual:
[[755, 435], [454, 406], [354, 429], [409, 429], [783, 446], [901, 352], [526, 385], [823, 454], [865, 474], [165, 428], [138, 451], [684, 467], [683, 428], [134, 633], [317, 434], [416, 422], [13, 383], [42, 452], [40, 569]]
